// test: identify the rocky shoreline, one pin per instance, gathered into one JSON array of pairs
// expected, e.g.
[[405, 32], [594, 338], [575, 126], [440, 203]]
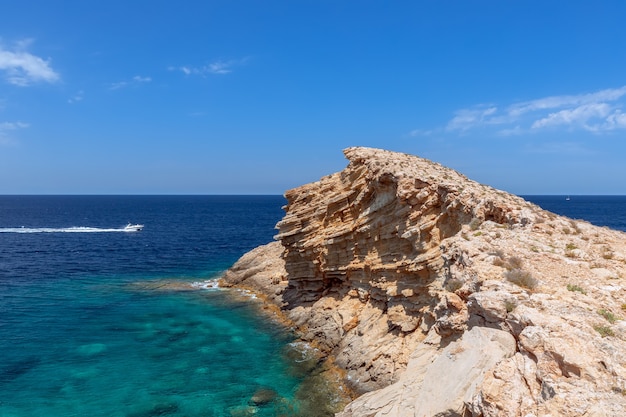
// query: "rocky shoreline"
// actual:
[[437, 295]]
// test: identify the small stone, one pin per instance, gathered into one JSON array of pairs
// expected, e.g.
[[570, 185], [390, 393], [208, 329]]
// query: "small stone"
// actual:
[[263, 396]]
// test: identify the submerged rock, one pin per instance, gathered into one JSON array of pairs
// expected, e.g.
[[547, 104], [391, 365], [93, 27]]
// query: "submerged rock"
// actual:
[[263, 396], [157, 410], [92, 349], [441, 296], [243, 411], [13, 370]]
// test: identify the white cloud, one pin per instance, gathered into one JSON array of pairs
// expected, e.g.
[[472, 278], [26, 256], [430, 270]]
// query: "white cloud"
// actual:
[[22, 68], [76, 97], [577, 116], [12, 125], [617, 120], [6, 127], [218, 67], [118, 85], [421, 132], [135, 81], [554, 102], [139, 79], [513, 131], [597, 112], [465, 119]]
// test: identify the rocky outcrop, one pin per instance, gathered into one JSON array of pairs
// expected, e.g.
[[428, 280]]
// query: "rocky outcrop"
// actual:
[[441, 296], [439, 381]]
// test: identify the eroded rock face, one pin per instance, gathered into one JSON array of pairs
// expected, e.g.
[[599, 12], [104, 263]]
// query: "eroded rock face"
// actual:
[[397, 261], [439, 381]]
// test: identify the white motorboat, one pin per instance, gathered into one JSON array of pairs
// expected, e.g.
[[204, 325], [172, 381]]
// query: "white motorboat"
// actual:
[[133, 227]]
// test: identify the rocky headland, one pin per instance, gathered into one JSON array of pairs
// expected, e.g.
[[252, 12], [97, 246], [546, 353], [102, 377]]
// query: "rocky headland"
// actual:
[[440, 296]]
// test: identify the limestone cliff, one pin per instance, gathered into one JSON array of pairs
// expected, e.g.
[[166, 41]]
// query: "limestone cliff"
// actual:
[[440, 296]]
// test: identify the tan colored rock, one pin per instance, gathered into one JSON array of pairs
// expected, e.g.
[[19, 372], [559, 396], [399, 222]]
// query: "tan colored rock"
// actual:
[[438, 382], [403, 270]]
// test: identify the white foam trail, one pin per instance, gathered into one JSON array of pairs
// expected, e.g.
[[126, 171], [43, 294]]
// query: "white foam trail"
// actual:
[[247, 293], [307, 351], [207, 285], [63, 230]]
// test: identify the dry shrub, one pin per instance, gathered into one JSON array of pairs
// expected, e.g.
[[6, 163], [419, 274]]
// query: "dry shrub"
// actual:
[[475, 223], [522, 278], [514, 262], [454, 284]]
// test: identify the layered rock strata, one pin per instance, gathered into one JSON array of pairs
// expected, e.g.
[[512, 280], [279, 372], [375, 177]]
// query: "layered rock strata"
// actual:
[[440, 296]]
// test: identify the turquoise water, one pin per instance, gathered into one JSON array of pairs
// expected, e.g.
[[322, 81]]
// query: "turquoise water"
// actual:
[[110, 324], [143, 352]]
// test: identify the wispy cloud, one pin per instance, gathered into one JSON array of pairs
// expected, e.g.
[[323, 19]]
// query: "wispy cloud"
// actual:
[[218, 67], [597, 112], [21, 68], [617, 120], [79, 96], [567, 101], [5, 131], [423, 132], [465, 119], [558, 148], [135, 81], [580, 115]]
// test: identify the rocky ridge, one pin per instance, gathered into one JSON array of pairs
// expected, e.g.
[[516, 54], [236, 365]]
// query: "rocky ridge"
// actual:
[[440, 296]]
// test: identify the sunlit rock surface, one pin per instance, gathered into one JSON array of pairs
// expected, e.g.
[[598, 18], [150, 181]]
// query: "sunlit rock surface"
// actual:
[[441, 296]]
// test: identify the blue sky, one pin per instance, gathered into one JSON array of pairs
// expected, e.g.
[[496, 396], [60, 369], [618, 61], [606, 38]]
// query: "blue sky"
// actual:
[[256, 97]]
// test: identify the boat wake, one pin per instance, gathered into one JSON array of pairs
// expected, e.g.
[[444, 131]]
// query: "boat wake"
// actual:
[[128, 228]]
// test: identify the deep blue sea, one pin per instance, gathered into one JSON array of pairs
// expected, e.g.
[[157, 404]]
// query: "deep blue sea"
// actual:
[[93, 323], [609, 210]]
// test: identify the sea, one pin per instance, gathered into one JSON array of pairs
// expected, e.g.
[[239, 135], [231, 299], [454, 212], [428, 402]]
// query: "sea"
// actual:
[[99, 321], [96, 320], [600, 210]]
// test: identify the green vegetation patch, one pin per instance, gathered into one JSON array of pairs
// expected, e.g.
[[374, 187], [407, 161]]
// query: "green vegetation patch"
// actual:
[[604, 331], [572, 287], [610, 317], [510, 305]]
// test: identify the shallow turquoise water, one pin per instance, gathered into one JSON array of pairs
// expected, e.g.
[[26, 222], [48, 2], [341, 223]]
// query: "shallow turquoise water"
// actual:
[[89, 325], [133, 350]]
